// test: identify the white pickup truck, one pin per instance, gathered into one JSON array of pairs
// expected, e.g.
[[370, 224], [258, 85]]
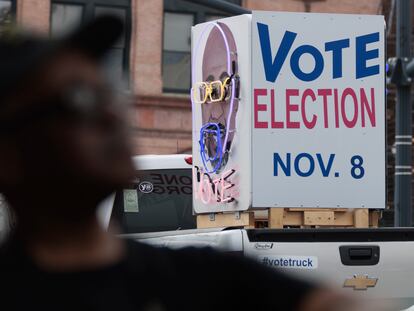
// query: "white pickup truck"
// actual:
[[374, 263]]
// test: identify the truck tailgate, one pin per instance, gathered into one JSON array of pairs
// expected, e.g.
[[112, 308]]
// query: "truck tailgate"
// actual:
[[374, 263]]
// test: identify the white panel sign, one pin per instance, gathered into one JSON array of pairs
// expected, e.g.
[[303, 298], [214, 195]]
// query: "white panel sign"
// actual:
[[318, 97], [288, 111], [220, 96]]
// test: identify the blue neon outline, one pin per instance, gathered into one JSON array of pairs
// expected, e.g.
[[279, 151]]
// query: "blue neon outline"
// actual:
[[206, 128]]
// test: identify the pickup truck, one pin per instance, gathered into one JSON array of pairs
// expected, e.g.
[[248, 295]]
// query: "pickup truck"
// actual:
[[375, 263]]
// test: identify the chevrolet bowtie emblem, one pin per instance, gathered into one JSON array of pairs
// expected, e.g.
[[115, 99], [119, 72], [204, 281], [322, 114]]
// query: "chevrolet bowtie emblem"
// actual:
[[360, 282]]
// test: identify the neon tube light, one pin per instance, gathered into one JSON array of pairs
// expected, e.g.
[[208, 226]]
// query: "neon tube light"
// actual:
[[193, 81]]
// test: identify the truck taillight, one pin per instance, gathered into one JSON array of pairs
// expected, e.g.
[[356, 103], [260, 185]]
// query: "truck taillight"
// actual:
[[189, 160]]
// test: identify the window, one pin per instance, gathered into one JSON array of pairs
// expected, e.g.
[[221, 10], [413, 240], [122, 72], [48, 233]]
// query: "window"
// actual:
[[116, 60], [7, 13], [166, 205], [177, 51], [65, 17], [69, 14], [179, 16]]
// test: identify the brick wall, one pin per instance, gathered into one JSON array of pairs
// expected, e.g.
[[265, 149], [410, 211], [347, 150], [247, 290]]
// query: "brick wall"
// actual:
[[348, 6], [162, 125], [146, 45], [162, 122], [274, 5]]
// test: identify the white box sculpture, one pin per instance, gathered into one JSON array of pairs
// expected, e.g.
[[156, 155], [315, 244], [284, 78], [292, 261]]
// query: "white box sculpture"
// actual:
[[288, 111]]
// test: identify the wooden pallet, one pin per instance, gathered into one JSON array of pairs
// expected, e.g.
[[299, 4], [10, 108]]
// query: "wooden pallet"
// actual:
[[314, 217], [293, 217], [221, 220]]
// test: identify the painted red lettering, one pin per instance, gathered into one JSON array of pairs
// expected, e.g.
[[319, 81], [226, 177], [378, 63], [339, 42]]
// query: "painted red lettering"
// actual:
[[366, 108], [349, 123], [308, 124], [259, 107], [275, 124], [325, 93], [336, 108], [291, 108]]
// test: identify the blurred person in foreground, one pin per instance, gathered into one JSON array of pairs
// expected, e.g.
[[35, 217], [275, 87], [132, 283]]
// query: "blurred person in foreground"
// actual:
[[64, 148]]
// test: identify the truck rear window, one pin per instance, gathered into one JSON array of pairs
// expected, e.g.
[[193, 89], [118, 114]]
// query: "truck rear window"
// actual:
[[157, 200]]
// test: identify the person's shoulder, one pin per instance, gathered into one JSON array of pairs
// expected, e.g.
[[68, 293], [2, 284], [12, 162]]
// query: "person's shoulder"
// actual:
[[182, 260], [142, 251], [220, 272]]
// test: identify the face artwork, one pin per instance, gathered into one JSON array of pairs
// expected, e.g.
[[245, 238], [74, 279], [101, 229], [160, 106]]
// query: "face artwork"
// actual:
[[218, 96]]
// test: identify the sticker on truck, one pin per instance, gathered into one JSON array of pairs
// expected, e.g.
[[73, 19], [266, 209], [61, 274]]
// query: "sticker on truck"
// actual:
[[290, 262]]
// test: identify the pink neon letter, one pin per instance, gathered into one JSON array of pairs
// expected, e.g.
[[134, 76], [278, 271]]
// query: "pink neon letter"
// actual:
[[225, 185], [205, 188]]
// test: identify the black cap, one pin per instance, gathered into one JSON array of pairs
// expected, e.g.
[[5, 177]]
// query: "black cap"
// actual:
[[21, 53]]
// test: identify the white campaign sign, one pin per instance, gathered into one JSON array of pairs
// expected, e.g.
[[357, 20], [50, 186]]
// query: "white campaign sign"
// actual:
[[288, 111], [318, 119]]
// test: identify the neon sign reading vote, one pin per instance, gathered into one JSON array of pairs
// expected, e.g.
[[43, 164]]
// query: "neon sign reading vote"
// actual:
[[209, 191]]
